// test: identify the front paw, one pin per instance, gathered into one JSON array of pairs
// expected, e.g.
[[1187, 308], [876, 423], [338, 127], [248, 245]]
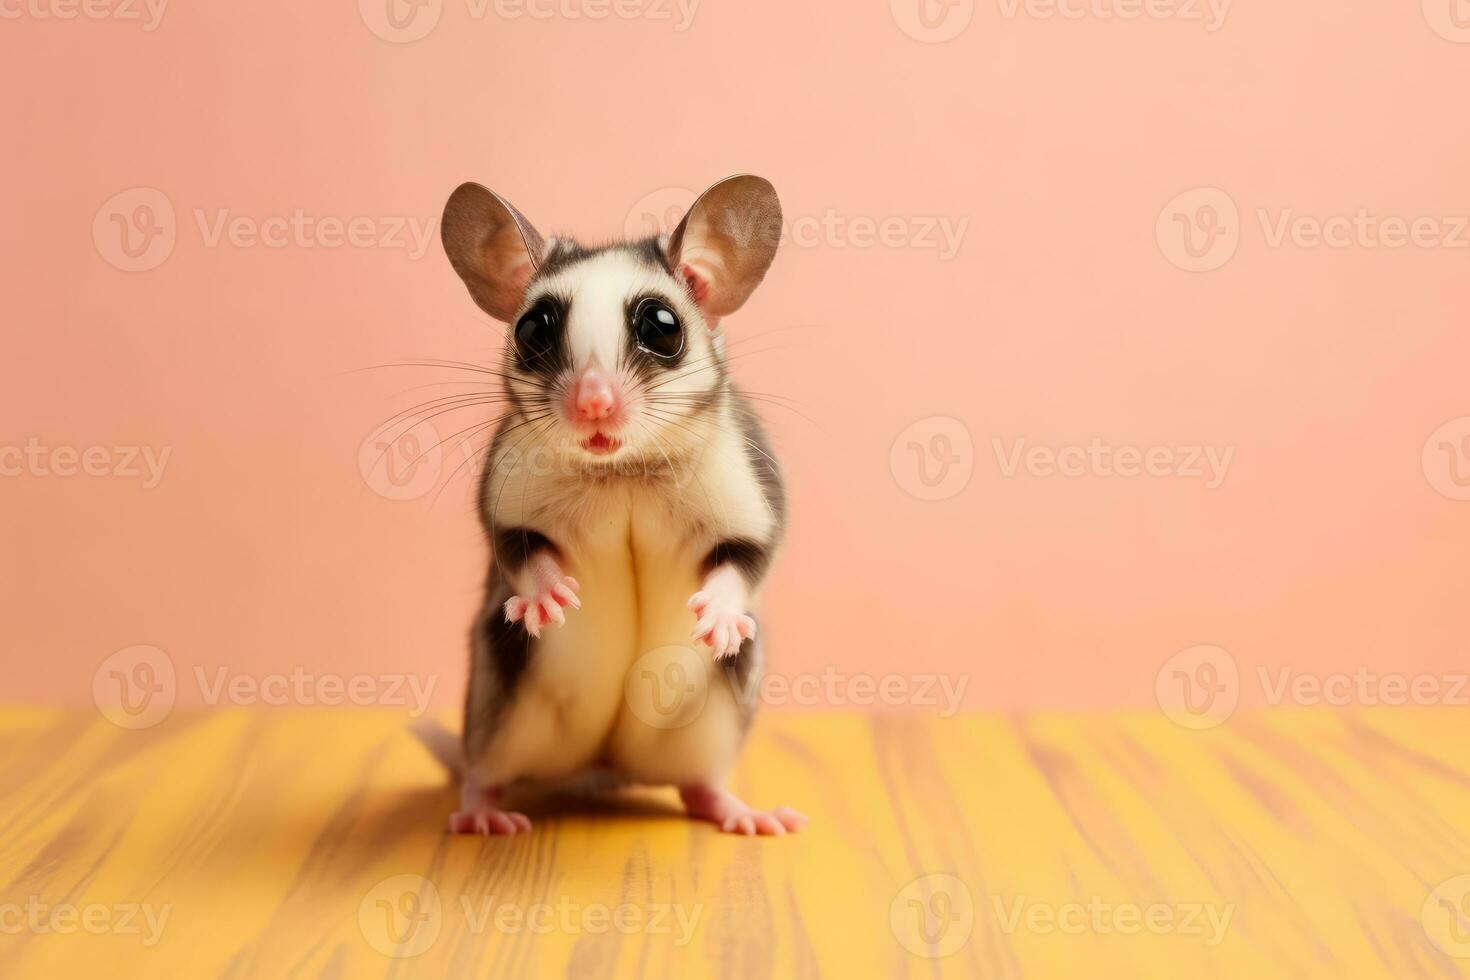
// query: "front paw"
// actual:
[[544, 607], [721, 624]]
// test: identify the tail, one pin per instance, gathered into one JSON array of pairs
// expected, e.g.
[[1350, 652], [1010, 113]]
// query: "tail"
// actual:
[[442, 744]]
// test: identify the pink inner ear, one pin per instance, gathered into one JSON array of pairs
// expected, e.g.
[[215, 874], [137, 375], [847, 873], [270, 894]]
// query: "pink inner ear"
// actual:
[[698, 283]]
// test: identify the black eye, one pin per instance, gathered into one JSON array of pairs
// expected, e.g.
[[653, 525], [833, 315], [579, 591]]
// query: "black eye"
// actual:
[[657, 329], [536, 332]]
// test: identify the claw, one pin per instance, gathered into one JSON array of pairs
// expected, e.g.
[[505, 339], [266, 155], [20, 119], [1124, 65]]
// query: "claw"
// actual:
[[544, 607], [489, 822]]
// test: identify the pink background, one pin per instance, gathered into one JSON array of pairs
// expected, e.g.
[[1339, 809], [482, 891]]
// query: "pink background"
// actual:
[[1061, 318]]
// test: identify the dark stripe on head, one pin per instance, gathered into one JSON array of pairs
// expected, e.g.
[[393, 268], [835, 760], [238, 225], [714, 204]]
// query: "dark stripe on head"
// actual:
[[566, 253]]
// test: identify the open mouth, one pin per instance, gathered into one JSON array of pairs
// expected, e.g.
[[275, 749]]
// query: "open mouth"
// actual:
[[600, 444]]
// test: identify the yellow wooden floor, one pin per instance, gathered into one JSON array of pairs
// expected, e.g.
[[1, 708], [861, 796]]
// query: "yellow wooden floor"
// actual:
[[275, 845]]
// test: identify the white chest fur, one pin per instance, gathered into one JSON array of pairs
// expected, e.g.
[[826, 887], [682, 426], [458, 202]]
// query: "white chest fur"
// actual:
[[636, 547]]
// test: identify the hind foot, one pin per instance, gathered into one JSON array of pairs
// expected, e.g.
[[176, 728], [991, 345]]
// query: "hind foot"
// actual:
[[724, 810], [478, 814]]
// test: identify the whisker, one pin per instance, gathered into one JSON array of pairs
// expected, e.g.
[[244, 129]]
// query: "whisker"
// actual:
[[471, 456]]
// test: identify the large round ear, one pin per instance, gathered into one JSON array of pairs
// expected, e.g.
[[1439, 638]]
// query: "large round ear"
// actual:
[[492, 247], [726, 242]]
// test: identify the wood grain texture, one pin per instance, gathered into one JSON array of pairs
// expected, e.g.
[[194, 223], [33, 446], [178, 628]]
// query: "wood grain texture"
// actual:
[[298, 843]]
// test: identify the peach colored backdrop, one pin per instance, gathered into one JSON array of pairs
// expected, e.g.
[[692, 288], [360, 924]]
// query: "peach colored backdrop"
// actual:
[[1014, 224]]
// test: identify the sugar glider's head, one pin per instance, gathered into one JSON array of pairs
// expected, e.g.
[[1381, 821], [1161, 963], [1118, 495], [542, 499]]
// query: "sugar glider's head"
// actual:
[[615, 351]]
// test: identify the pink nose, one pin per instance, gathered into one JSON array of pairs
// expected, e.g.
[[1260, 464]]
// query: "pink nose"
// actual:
[[594, 398]]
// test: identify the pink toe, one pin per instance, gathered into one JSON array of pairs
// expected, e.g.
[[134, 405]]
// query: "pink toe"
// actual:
[[767, 824], [789, 818]]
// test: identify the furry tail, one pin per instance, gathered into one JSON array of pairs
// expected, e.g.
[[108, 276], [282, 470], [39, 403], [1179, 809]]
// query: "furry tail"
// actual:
[[442, 744]]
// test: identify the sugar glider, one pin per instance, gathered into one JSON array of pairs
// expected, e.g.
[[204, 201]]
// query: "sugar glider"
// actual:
[[632, 503]]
